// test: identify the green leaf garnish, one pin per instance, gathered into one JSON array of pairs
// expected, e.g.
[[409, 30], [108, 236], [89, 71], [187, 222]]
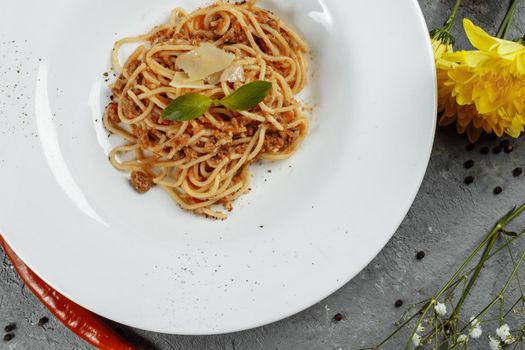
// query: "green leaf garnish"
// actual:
[[187, 107], [247, 96], [191, 106]]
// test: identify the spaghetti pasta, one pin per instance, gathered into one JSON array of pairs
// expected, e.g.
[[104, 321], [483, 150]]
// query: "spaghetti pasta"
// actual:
[[205, 162]]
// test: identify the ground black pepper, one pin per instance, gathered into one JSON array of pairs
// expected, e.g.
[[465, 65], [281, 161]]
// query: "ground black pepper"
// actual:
[[484, 150], [420, 255], [398, 303], [469, 164], [517, 172], [470, 147], [468, 180], [43, 321], [338, 317], [10, 327], [8, 336], [498, 190], [497, 149]]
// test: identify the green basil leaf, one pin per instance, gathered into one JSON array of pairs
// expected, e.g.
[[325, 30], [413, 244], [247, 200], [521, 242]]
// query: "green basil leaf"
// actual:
[[247, 96], [187, 107]]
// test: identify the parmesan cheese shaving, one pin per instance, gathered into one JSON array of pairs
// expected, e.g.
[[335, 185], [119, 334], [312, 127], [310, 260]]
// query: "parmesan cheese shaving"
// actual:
[[182, 80], [233, 73], [214, 78], [204, 61]]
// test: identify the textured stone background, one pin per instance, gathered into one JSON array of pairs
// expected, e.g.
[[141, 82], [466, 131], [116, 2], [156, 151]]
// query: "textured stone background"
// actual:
[[446, 220]]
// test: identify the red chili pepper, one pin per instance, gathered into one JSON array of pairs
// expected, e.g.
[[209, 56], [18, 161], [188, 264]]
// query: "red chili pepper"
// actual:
[[80, 321]]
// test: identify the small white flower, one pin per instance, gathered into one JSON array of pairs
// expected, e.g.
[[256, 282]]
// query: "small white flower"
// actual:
[[416, 339], [503, 333], [463, 338], [420, 329], [475, 330], [494, 344], [440, 309]]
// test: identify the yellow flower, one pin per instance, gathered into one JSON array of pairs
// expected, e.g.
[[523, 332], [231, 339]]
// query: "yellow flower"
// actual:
[[483, 89]]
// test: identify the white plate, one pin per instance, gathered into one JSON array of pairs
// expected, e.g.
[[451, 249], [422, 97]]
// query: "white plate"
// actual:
[[142, 261]]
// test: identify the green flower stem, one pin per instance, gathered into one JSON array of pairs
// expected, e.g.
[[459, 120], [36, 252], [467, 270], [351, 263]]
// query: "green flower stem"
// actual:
[[463, 278], [500, 296], [511, 253], [460, 276], [514, 273], [462, 267], [506, 244], [427, 309], [519, 340], [450, 21], [520, 300], [436, 332], [493, 236], [503, 246], [507, 21], [442, 35], [399, 328]]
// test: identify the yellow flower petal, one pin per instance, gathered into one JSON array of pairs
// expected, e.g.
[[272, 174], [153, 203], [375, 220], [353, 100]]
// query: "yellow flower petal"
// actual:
[[461, 76], [520, 63], [473, 134], [478, 37], [446, 120]]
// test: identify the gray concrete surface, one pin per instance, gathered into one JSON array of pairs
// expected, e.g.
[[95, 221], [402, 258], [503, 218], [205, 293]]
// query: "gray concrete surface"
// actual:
[[446, 220]]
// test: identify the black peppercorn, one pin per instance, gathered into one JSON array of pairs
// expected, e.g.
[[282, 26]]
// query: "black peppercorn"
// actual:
[[504, 143], [509, 148], [498, 190], [338, 317], [468, 180], [43, 321], [469, 164], [497, 149], [10, 327], [470, 147], [420, 255], [398, 303], [517, 172], [484, 150], [8, 336]]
